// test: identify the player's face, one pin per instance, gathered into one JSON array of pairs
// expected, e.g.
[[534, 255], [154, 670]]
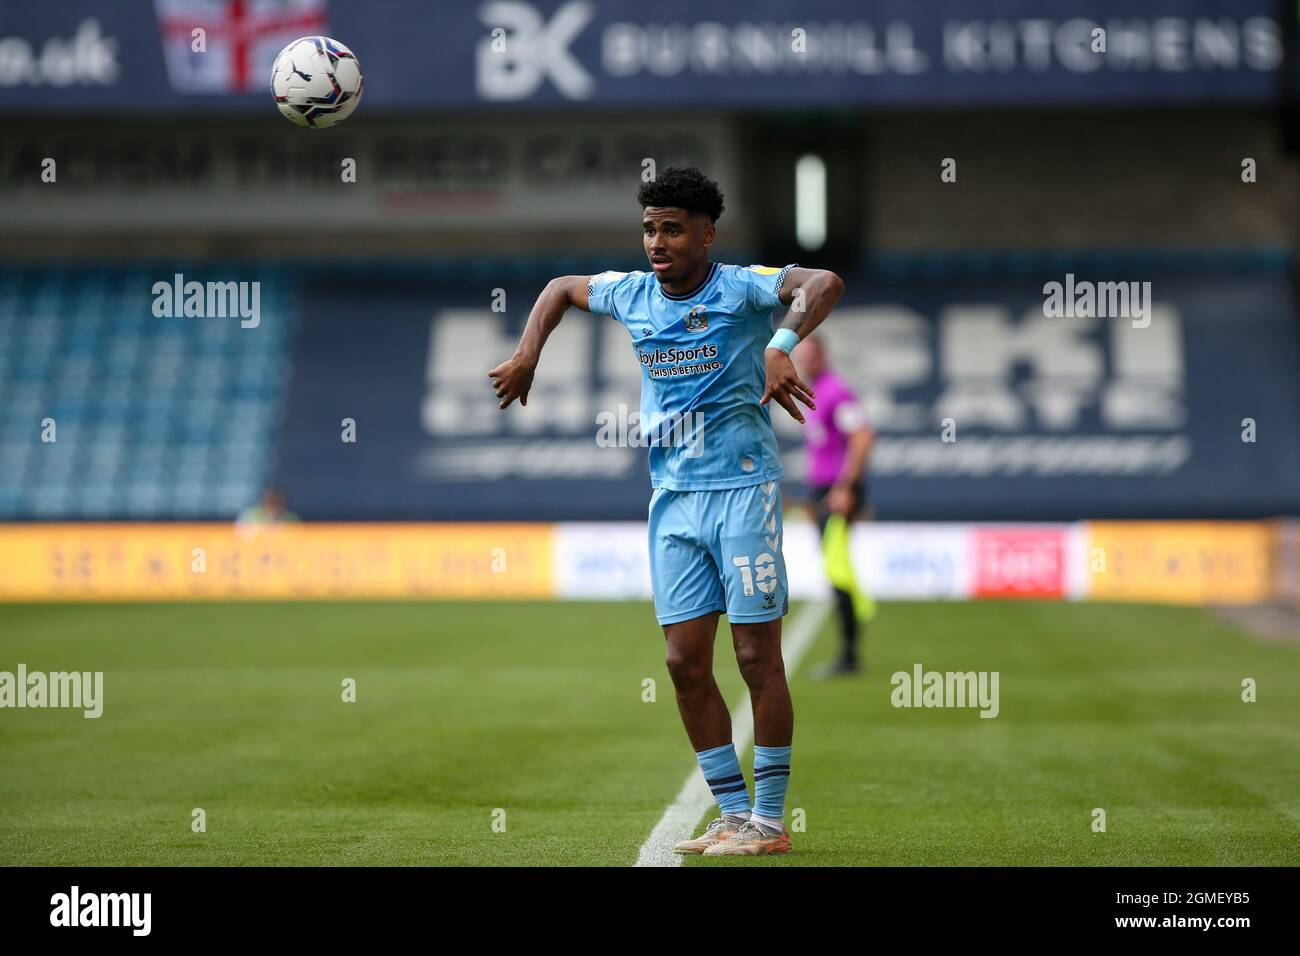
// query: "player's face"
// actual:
[[676, 241]]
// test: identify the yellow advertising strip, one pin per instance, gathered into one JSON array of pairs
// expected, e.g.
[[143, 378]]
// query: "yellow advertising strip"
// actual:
[[165, 562], [1179, 562]]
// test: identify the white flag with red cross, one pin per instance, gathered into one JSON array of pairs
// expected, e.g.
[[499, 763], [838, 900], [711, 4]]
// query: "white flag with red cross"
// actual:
[[240, 40]]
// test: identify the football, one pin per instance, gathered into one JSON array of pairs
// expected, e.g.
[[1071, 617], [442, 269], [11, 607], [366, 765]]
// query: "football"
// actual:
[[316, 81]]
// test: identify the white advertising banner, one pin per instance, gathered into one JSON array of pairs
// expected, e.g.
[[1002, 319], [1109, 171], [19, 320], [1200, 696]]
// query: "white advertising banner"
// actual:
[[895, 561]]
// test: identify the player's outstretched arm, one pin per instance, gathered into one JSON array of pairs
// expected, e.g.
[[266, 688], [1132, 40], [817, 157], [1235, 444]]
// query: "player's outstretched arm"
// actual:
[[811, 294], [514, 377]]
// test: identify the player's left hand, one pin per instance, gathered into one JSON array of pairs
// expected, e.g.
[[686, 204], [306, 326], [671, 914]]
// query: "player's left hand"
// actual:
[[785, 385]]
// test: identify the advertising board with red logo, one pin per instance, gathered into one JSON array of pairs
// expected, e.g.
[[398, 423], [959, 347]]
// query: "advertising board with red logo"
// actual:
[[1020, 561]]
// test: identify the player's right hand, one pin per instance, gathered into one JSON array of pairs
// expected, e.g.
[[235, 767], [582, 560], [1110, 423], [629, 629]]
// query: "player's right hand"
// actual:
[[840, 499], [512, 379]]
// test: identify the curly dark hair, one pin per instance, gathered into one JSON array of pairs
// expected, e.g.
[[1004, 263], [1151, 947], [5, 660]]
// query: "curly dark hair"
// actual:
[[683, 187]]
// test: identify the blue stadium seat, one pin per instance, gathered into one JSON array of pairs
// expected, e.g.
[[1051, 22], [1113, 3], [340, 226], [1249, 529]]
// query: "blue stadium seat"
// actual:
[[156, 418]]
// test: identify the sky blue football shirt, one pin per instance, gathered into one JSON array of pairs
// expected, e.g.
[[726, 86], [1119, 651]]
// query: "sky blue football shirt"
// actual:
[[702, 372]]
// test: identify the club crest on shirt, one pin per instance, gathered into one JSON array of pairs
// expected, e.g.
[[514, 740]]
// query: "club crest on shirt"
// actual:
[[697, 320]]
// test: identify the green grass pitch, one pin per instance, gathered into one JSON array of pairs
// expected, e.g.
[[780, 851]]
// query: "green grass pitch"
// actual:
[[536, 709]]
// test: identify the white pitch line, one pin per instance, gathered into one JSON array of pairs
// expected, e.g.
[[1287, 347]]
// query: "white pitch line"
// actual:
[[679, 820]]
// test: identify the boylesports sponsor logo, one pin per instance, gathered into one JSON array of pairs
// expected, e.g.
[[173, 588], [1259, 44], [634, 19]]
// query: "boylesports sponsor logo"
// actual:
[[672, 362], [675, 355]]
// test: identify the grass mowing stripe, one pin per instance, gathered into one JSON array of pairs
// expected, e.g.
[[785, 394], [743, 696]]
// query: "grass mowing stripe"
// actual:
[[694, 799]]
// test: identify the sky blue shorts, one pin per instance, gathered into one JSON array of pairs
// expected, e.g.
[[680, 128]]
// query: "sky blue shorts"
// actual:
[[718, 551]]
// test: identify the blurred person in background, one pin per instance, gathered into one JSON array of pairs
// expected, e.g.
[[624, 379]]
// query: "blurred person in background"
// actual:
[[271, 509], [838, 440]]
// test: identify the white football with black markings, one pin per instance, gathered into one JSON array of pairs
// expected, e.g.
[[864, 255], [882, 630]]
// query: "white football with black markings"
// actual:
[[316, 82]]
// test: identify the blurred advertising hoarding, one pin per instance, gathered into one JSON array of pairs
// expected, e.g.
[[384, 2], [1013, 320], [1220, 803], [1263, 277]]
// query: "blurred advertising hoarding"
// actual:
[[472, 173], [166, 562], [1286, 563], [146, 56], [985, 407], [1195, 562], [1228, 563]]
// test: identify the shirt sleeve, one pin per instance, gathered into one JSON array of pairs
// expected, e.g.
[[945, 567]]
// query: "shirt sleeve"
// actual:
[[600, 292], [849, 416], [763, 285]]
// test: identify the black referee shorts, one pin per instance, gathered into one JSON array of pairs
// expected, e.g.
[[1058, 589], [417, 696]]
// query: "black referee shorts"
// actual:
[[818, 494]]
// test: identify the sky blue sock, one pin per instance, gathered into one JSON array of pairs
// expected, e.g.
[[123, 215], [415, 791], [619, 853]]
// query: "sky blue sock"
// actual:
[[721, 769], [771, 776]]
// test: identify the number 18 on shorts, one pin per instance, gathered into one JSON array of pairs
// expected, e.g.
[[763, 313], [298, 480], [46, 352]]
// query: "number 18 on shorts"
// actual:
[[718, 550]]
